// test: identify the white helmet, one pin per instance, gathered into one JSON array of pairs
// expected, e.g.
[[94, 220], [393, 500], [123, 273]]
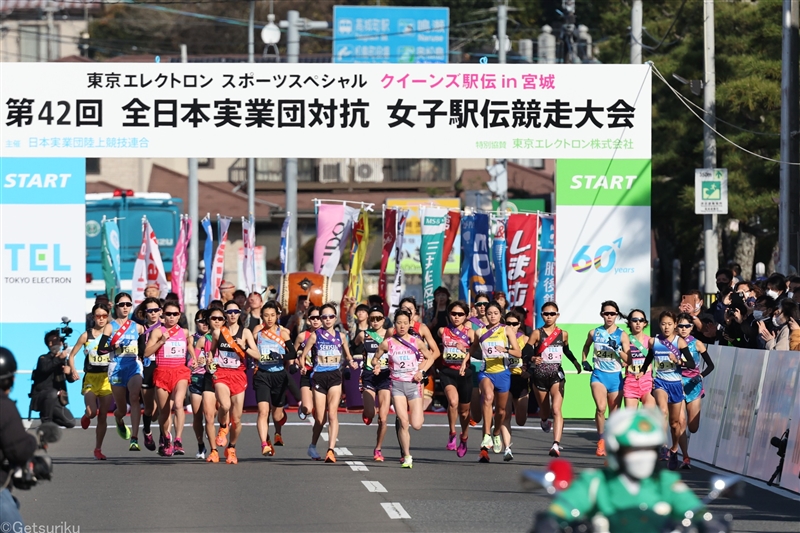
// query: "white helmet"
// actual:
[[635, 428]]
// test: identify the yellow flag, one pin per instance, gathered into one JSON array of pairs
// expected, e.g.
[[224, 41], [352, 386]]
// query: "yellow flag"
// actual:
[[358, 253]]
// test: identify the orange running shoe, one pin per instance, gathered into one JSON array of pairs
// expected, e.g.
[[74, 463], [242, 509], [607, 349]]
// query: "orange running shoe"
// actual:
[[601, 448], [472, 423], [278, 440], [267, 450], [213, 457], [484, 456], [222, 435], [230, 454], [330, 457]]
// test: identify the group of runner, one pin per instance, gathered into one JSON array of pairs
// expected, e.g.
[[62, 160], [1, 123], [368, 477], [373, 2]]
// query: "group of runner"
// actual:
[[486, 365]]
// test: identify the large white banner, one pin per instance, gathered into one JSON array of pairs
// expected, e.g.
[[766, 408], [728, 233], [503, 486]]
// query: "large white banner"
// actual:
[[703, 444], [325, 110]]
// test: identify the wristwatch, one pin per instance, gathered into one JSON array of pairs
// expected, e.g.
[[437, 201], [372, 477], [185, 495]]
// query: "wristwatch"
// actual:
[[424, 373]]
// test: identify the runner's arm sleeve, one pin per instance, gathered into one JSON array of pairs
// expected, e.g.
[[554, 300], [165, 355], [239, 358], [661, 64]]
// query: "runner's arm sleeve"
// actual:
[[104, 345], [709, 364], [647, 360], [687, 356], [527, 354], [142, 343], [291, 353], [572, 357]]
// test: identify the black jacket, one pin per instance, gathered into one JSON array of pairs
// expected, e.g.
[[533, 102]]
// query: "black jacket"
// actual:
[[16, 445]]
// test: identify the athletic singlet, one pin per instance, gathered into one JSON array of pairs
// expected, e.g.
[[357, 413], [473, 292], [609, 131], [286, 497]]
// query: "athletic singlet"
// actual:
[[455, 349], [357, 356], [131, 335], [476, 323], [666, 369], [370, 349], [494, 360], [691, 342], [226, 357], [272, 349], [94, 362], [329, 351], [172, 353], [637, 355], [148, 330], [311, 356], [403, 362], [515, 363], [606, 350], [201, 349]]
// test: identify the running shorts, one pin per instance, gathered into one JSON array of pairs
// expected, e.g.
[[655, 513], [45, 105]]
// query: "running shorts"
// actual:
[[305, 380], [122, 369], [637, 388], [234, 379], [271, 387], [371, 382], [519, 386], [463, 384], [545, 375], [674, 389], [168, 377], [500, 380], [97, 383], [692, 388], [409, 389], [148, 375], [201, 383], [612, 381], [325, 381]]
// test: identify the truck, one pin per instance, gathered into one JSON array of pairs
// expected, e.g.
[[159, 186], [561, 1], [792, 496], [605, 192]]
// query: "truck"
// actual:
[[128, 207]]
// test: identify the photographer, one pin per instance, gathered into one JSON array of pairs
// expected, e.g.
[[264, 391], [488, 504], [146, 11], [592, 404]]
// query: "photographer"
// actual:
[[724, 287], [16, 446], [741, 326], [49, 390]]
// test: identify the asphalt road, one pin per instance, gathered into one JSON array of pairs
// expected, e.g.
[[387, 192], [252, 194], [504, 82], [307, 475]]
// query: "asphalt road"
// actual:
[[289, 492]]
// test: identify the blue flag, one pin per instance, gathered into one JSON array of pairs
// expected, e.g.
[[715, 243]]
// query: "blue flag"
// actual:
[[111, 258], [499, 257], [546, 275], [467, 236], [208, 260], [285, 243], [481, 278]]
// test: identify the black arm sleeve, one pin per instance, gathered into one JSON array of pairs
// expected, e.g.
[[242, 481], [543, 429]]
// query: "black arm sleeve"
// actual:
[[527, 354], [104, 346], [142, 343], [647, 360], [687, 355], [709, 364], [571, 356], [291, 352]]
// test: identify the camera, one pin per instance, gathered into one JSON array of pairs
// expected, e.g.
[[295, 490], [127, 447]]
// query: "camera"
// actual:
[[40, 466], [64, 331], [780, 443]]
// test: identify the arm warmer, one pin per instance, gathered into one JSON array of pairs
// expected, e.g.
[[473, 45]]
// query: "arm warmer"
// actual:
[[709, 364], [571, 356], [142, 343], [104, 346], [687, 355], [527, 354], [291, 352], [647, 360]]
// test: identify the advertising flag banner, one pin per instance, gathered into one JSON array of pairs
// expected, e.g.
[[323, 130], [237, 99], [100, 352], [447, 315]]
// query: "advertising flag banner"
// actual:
[[546, 275], [249, 259], [434, 221], [358, 253], [285, 242], [450, 234], [180, 259], [334, 225], [149, 268], [218, 268], [467, 238], [111, 258], [522, 234], [499, 256], [481, 278], [397, 289], [412, 241], [208, 259], [389, 236]]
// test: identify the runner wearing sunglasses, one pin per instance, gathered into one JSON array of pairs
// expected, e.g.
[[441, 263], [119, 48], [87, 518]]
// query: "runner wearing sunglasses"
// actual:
[[373, 385], [326, 379], [476, 322], [313, 322], [638, 385], [231, 345], [96, 388], [456, 373], [168, 343], [611, 349], [150, 311], [520, 379], [197, 381], [550, 344], [216, 319], [121, 341]]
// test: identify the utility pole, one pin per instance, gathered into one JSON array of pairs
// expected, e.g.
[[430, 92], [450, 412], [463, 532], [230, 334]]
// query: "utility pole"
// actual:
[[49, 9], [789, 188], [709, 147], [502, 22], [251, 162], [194, 252], [636, 33]]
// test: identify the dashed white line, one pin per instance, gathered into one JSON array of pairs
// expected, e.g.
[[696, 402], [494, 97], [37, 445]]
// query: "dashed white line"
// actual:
[[357, 466], [374, 486], [342, 451], [324, 436], [395, 510]]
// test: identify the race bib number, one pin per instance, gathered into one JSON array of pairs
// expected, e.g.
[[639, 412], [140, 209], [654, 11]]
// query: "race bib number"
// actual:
[[98, 360], [605, 354], [268, 356], [552, 354], [175, 350], [514, 362], [329, 358], [453, 354], [228, 360], [494, 349], [665, 363], [130, 350]]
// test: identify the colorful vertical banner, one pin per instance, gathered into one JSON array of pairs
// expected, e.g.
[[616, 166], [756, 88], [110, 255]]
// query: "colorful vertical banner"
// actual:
[[546, 275], [218, 268], [522, 233], [358, 253], [481, 277], [499, 256], [450, 234], [434, 222], [467, 238], [285, 242], [180, 258], [208, 259], [334, 224], [397, 289], [249, 258], [389, 236], [412, 240], [111, 258], [149, 268]]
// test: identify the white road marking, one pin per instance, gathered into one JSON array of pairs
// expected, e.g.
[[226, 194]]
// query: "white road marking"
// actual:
[[374, 486], [357, 466], [395, 510], [342, 451], [324, 436]]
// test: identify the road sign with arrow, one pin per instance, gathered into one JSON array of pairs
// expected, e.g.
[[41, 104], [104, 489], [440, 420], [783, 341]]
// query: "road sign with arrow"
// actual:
[[711, 191]]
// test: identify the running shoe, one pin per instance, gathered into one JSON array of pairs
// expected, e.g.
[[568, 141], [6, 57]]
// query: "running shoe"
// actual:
[[85, 421], [438, 409], [451, 442], [484, 456], [134, 446], [663, 454], [461, 451], [508, 456], [178, 449], [222, 435], [487, 441], [201, 451], [162, 446], [300, 414], [497, 445], [213, 457], [377, 456], [546, 425], [230, 456], [554, 451], [123, 431], [312, 452], [330, 457], [407, 462], [98, 455], [686, 464], [367, 420], [169, 450], [278, 439], [601, 448], [149, 442], [672, 463], [267, 450], [472, 423]]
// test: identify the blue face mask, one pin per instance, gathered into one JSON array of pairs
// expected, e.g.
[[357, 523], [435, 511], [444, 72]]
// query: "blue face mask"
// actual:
[[750, 302]]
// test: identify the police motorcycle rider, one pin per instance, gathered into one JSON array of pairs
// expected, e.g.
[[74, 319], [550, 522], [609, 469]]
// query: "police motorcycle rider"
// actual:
[[629, 495]]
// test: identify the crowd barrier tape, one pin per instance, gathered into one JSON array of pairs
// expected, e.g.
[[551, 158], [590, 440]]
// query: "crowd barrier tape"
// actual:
[[751, 396]]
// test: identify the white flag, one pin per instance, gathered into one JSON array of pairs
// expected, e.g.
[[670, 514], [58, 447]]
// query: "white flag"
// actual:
[[349, 218], [249, 259], [149, 269], [397, 289]]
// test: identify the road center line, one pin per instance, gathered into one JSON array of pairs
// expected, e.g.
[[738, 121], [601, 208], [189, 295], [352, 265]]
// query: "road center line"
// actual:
[[395, 510], [374, 486], [357, 466], [342, 451]]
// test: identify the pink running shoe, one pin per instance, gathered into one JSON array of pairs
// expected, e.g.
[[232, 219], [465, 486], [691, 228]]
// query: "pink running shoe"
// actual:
[[451, 442], [462, 447]]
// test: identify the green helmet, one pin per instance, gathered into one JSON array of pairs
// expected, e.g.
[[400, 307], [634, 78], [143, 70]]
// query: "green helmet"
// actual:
[[635, 428]]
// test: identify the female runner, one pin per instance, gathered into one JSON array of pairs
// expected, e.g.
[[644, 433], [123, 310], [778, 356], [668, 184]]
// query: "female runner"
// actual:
[[150, 315], [476, 322], [519, 392], [216, 319], [372, 384], [456, 373], [306, 395], [420, 330], [197, 367], [638, 386]]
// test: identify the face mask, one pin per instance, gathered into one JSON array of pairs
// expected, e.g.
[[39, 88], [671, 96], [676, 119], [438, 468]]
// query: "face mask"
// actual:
[[640, 464], [772, 294], [723, 286], [750, 302], [758, 314], [778, 321], [790, 294]]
